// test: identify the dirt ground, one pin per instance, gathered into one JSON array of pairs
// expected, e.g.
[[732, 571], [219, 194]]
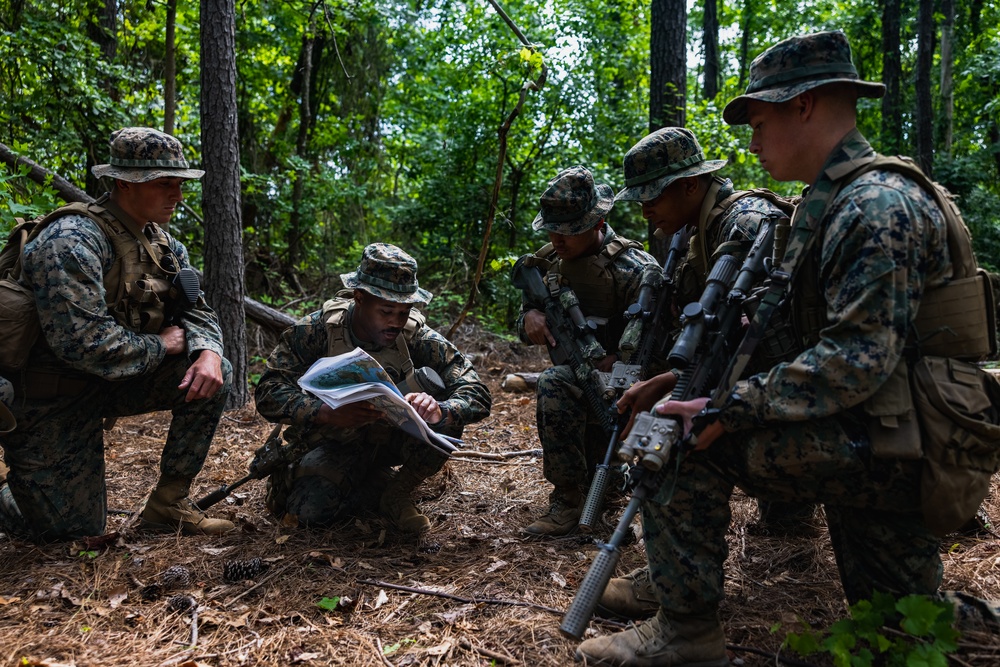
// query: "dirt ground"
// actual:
[[474, 592]]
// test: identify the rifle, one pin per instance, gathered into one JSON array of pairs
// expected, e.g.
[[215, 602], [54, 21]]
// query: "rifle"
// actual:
[[705, 353], [644, 340], [265, 461], [575, 342]]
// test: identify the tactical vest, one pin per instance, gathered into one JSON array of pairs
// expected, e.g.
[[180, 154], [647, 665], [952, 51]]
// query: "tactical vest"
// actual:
[[956, 320], [137, 287], [593, 282], [693, 271], [395, 360]]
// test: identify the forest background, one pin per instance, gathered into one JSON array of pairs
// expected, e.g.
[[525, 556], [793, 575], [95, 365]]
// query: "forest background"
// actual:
[[435, 124]]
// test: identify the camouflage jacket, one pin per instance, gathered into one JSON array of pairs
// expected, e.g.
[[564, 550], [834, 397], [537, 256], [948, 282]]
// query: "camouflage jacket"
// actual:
[[880, 244], [65, 266], [731, 233], [626, 278], [280, 399]]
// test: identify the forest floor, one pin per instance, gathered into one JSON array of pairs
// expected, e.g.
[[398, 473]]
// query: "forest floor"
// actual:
[[473, 592]]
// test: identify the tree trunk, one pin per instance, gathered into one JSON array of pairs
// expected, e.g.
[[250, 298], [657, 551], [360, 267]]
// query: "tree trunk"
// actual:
[[221, 157], [667, 79], [710, 30], [102, 29], [892, 122], [746, 21], [923, 116], [947, 61], [301, 142], [170, 69]]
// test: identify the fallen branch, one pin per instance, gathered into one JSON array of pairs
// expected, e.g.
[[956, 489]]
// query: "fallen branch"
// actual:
[[494, 456], [493, 655]]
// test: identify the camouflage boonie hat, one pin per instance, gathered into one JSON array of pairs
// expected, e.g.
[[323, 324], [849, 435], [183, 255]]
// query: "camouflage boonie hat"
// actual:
[[796, 65], [142, 154], [659, 159], [388, 273], [573, 203]]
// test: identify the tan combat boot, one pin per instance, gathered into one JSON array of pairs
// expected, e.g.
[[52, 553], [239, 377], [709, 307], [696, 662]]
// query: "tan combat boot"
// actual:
[[631, 597], [397, 505], [562, 518], [169, 508], [660, 642]]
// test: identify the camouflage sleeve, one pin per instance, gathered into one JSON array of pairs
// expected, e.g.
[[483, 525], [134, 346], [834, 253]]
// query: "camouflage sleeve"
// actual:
[[467, 399], [628, 269], [278, 395], [883, 241], [65, 267], [200, 323], [739, 226], [526, 305]]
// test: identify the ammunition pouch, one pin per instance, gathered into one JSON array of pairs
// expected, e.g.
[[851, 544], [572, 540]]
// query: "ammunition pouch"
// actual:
[[18, 322], [38, 385]]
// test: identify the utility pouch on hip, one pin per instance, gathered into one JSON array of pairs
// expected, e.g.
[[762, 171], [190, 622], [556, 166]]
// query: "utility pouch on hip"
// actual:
[[892, 422]]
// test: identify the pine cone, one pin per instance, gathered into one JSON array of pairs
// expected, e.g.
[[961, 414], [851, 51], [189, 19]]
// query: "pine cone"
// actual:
[[180, 602], [176, 576], [238, 570]]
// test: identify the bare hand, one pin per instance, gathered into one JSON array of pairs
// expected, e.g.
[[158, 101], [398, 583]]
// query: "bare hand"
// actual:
[[426, 406], [537, 329], [687, 410], [203, 377], [174, 340], [352, 415], [643, 395]]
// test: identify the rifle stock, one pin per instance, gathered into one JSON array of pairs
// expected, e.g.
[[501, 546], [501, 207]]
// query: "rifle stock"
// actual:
[[266, 459], [706, 345]]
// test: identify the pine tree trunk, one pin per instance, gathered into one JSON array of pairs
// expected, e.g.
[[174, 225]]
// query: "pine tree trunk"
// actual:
[[924, 116], [221, 186], [892, 122]]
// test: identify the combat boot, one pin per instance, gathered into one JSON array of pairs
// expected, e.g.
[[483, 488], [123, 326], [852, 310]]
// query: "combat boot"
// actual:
[[562, 517], [397, 505], [660, 642], [169, 508], [631, 597]]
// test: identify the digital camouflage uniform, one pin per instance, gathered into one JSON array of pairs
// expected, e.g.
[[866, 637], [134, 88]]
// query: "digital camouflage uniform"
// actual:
[[334, 472], [572, 439], [798, 432], [95, 367]]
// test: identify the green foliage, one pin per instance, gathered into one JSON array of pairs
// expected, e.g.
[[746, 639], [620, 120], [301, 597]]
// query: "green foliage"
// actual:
[[328, 604], [924, 637]]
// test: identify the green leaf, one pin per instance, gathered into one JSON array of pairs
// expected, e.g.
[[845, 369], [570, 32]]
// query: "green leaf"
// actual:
[[328, 604]]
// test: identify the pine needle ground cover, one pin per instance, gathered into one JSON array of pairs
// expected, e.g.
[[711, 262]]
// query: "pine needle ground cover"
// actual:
[[473, 592]]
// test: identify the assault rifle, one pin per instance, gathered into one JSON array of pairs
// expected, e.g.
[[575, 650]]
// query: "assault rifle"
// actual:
[[265, 461], [644, 338], [575, 342], [706, 353]]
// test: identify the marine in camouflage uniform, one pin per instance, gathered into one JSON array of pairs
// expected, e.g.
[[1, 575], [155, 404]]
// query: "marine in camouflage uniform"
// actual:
[[798, 433], [668, 173], [98, 360], [340, 461], [605, 272]]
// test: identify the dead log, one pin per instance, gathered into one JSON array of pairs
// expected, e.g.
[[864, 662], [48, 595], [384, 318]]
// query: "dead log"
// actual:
[[273, 320], [520, 382]]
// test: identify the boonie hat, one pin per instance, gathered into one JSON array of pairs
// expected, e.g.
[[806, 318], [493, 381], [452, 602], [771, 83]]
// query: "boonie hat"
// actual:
[[141, 154], [388, 273], [573, 203], [796, 65], [659, 159]]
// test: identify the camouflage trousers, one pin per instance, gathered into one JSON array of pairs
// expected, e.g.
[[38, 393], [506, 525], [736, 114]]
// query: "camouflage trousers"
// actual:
[[56, 488], [572, 440], [338, 479], [872, 510], [6, 392]]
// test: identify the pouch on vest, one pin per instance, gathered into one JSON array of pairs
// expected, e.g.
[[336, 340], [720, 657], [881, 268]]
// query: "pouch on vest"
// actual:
[[960, 424], [893, 428]]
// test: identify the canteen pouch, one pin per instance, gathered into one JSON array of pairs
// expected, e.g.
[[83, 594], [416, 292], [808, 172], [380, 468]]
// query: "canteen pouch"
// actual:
[[957, 407]]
